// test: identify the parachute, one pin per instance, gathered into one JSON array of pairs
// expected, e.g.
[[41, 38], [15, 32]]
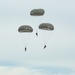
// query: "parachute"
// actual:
[[46, 26], [27, 30], [37, 12], [45, 32]]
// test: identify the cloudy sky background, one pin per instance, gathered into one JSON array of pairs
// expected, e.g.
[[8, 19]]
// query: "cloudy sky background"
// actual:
[[57, 58]]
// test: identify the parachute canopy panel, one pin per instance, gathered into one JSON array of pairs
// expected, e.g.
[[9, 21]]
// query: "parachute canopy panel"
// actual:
[[46, 26], [25, 28], [37, 12]]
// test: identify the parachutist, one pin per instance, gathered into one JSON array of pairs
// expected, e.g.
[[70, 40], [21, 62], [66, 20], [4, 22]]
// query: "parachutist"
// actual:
[[44, 46], [36, 34], [25, 48]]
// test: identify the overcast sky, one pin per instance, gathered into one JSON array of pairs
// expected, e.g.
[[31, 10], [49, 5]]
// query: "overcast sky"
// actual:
[[59, 56]]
